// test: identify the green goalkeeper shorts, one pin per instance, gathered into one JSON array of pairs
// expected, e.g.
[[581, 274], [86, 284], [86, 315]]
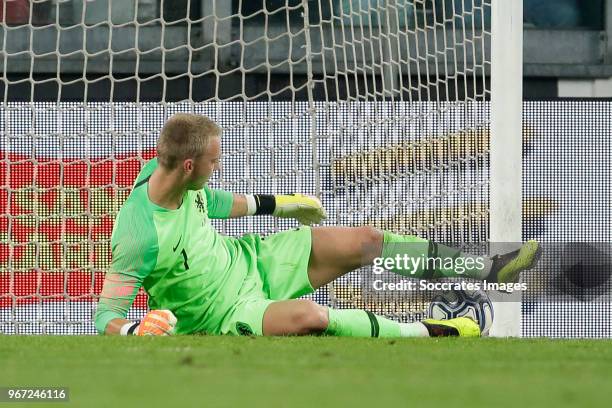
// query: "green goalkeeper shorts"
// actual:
[[281, 273]]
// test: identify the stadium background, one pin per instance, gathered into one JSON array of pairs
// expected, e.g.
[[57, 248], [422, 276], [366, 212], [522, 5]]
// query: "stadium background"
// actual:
[[563, 172], [94, 152]]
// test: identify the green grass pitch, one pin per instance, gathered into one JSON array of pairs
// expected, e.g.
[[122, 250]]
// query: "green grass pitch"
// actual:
[[206, 371]]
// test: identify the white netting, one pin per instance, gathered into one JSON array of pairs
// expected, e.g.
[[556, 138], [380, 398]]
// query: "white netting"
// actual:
[[377, 106]]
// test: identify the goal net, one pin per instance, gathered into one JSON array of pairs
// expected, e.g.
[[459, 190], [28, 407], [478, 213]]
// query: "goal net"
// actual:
[[379, 107]]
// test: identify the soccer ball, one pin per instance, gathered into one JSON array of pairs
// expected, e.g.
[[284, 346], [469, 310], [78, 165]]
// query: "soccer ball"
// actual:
[[457, 303]]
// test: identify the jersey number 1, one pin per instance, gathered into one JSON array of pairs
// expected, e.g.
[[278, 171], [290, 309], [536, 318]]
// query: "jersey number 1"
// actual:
[[185, 259]]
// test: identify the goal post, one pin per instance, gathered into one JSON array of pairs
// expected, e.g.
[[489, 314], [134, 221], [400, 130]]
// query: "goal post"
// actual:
[[506, 194]]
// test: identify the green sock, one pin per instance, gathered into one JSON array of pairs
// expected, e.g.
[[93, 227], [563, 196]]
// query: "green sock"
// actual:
[[412, 253], [361, 323]]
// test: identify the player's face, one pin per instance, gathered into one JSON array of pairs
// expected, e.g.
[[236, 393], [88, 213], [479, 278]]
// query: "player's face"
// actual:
[[205, 164]]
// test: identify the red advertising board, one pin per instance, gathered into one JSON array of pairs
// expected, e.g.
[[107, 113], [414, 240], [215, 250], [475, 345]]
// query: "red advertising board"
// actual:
[[56, 220]]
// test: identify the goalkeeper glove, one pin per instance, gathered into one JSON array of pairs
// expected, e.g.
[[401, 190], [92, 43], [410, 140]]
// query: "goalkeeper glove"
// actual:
[[306, 209], [155, 323]]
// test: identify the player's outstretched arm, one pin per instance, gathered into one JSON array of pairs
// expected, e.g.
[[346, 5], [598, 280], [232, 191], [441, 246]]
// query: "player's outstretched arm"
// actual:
[[304, 208]]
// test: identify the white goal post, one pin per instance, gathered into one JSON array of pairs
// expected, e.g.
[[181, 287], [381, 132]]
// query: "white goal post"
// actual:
[[506, 146]]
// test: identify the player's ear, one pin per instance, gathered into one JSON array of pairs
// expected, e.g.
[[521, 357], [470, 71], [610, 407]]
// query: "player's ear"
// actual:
[[188, 165]]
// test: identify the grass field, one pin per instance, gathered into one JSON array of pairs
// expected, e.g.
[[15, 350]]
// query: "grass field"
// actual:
[[306, 372]]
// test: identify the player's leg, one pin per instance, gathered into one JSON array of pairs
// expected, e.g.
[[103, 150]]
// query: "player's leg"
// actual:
[[294, 317], [339, 250], [304, 317], [282, 274]]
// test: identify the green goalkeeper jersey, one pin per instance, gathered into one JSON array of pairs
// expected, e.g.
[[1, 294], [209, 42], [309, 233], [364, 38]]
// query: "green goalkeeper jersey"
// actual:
[[182, 262]]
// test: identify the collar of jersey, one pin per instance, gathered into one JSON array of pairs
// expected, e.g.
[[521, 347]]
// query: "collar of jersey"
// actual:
[[160, 208]]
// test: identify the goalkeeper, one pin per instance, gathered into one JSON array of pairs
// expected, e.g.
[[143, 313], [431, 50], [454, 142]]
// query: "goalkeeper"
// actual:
[[199, 281]]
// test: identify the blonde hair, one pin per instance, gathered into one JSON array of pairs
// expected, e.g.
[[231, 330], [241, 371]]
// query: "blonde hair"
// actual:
[[184, 136]]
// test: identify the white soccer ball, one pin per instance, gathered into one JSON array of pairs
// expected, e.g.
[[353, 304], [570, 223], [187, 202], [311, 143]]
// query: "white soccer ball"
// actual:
[[458, 303]]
